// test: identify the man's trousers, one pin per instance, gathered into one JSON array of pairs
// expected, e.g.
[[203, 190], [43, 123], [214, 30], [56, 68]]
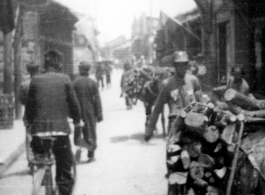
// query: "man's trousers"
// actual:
[[64, 160]]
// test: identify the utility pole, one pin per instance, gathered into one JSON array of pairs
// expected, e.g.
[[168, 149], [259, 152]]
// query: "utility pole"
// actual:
[[150, 40], [8, 63], [96, 26], [17, 63]]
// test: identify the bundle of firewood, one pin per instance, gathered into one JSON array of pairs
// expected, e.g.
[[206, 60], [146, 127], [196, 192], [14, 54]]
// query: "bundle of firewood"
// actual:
[[201, 149], [237, 102]]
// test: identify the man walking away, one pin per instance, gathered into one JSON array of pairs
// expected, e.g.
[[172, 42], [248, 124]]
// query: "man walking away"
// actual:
[[127, 82], [91, 109], [100, 74], [50, 102], [108, 70], [23, 97]]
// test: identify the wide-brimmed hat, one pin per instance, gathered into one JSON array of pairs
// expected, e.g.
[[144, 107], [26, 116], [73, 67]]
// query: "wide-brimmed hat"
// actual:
[[180, 56]]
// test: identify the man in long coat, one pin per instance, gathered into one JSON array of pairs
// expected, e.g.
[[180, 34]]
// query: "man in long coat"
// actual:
[[91, 109], [51, 100], [100, 74]]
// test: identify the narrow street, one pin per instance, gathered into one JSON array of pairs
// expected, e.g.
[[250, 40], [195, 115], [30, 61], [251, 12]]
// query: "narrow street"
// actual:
[[124, 164]]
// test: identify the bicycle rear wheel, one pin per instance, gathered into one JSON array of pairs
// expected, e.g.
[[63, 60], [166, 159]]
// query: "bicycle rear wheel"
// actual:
[[43, 182]]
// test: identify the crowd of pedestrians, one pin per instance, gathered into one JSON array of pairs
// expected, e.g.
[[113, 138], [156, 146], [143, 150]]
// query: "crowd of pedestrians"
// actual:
[[103, 68], [50, 98]]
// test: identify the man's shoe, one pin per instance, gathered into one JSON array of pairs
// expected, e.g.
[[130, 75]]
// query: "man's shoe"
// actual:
[[147, 138], [91, 154], [148, 135]]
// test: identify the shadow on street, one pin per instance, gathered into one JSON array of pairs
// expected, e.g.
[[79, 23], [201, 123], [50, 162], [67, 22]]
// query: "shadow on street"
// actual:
[[24, 172], [138, 136]]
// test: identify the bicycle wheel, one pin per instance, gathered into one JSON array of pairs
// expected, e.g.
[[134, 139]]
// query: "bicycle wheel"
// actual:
[[48, 182], [43, 181]]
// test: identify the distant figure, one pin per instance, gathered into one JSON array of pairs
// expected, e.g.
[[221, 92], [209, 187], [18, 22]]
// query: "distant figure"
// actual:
[[33, 70], [127, 85], [91, 109], [100, 74], [108, 71], [237, 81], [193, 67], [201, 68]]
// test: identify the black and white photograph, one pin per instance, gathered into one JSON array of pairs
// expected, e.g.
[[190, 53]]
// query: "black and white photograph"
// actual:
[[132, 97]]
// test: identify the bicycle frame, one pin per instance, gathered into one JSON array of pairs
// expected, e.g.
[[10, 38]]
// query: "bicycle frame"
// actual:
[[42, 172]]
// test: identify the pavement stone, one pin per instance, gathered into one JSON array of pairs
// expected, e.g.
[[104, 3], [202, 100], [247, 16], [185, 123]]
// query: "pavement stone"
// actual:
[[12, 144]]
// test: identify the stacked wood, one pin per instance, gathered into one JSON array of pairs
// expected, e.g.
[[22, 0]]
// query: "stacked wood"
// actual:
[[201, 157], [212, 191], [196, 170], [178, 178], [185, 158], [219, 91], [256, 113], [206, 161], [228, 134], [194, 149], [209, 110], [195, 123], [211, 134], [241, 100], [206, 143]]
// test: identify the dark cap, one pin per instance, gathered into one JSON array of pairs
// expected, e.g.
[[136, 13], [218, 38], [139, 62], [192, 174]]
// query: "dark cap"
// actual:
[[53, 59], [32, 67], [84, 66]]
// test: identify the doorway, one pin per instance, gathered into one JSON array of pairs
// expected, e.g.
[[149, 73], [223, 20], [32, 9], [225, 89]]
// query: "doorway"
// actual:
[[222, 53]]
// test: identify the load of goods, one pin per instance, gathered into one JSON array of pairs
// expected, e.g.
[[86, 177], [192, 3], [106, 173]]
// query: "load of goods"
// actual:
[[219, 147]]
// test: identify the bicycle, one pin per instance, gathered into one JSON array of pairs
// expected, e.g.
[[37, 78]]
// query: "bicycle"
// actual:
[[43, 180]]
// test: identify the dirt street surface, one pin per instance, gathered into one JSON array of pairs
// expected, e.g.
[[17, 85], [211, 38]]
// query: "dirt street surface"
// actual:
[[124, 164]]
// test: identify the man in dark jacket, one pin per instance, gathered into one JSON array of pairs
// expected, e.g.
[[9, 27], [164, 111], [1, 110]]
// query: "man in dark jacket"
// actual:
[[91, 110], [100, 74], [33, 70], [178, 92], [51, 101]]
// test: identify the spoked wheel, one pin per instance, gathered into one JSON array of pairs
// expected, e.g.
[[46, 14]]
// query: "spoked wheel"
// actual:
[[73, 170], [43, 182]]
